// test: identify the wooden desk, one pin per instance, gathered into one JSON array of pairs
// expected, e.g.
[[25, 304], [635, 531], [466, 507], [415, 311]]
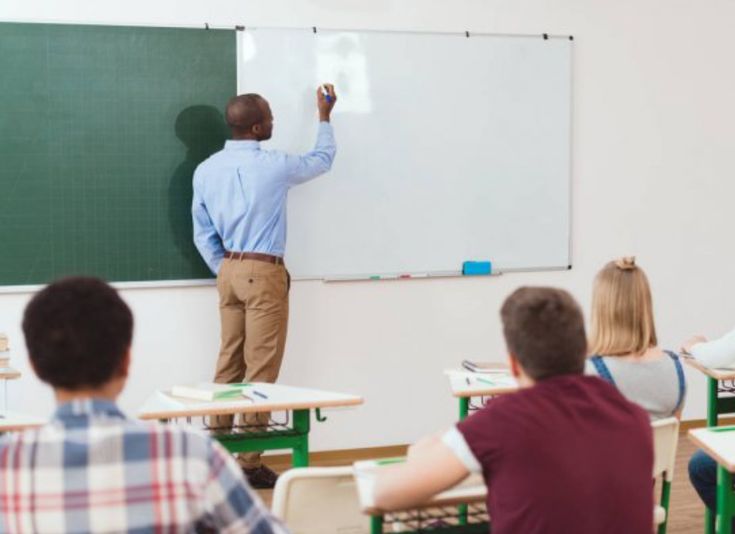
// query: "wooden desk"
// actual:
[[291, 434], [13, 422], [8, 373], [717, 383], [719, 443], [466, 384], [720, 401], [470, 491]]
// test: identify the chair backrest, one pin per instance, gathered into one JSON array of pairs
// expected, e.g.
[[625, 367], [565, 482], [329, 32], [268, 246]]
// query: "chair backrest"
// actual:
[[665, 439], [319, 500]]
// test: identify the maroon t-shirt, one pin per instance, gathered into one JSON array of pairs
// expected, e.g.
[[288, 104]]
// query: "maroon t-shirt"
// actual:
[[569, 455]]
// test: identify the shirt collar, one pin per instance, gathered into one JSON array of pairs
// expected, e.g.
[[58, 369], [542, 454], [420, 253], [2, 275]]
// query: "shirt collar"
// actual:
[[87, 408], [243, 144]]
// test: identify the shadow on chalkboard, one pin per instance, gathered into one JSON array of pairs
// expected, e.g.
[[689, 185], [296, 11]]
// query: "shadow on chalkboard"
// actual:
[[203, 130]]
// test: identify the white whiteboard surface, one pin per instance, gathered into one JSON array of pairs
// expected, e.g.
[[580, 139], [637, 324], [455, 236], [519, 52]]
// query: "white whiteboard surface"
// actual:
[[450, 148]]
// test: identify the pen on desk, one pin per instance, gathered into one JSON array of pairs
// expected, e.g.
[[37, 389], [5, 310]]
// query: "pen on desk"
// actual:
[[467, 380], [325, 92], [261, 395], [248, 397]]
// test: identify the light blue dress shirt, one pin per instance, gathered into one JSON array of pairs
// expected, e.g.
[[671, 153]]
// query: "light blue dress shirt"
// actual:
[[240, 195]]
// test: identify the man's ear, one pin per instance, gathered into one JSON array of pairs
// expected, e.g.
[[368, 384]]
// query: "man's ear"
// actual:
[[257, 129]]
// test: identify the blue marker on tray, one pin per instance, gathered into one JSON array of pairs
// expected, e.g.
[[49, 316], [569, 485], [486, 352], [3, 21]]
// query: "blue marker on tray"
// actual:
[[259, 394]]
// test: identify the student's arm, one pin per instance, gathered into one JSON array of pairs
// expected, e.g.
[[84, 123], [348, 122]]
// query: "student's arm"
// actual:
[[717, 353], [206, 238], [432, 467], [300, 169], [232, 505]]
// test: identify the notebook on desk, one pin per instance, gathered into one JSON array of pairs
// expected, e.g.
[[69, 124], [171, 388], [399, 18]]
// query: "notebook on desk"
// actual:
[[209, 392], [485, 367]]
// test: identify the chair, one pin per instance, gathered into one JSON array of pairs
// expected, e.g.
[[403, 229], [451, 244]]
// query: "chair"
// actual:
[[665, 438], [319, 500]]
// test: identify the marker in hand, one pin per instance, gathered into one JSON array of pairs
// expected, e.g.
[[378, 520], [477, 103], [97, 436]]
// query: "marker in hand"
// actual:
[[326, 94]]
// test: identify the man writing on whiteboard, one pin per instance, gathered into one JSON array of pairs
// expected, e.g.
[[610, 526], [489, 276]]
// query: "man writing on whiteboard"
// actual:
[[239, 215]]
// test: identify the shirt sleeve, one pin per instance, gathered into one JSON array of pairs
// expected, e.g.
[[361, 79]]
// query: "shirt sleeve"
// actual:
[[300, 169], [206, 238], [717, 353], [234, 506], [454, 439]]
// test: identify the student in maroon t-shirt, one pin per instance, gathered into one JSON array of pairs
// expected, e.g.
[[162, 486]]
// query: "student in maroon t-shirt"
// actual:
[[566, 454]]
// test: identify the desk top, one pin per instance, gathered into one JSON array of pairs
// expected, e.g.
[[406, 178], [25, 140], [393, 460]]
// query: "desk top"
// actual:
[[716, 373], [12, 421], [162, 405], [718, 442], [8, 373], [469, 384], [470, 490]]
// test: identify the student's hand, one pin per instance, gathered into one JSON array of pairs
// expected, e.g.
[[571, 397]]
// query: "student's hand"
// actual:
[[689, 343], [325, 104]]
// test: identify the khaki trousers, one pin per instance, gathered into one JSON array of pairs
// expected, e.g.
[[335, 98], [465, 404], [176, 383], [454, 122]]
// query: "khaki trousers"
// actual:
[[253, 305]]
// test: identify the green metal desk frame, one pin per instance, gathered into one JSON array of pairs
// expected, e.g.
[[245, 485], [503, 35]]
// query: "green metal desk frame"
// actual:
[[295, 438], [717, 406], [377, 521], [376, 527]]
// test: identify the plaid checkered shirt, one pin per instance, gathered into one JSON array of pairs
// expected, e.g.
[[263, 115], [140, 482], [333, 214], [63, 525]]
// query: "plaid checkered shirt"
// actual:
[[93, 470]]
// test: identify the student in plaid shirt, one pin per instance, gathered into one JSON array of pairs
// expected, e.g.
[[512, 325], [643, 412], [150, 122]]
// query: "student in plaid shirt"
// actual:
[[91, 469]]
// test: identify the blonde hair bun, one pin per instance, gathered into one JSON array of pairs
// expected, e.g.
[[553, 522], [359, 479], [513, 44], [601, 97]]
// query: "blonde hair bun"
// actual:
[[626, 263]]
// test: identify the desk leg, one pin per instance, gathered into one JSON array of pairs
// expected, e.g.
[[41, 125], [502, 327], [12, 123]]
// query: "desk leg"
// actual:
[[464, 408], [711, 401], [665, 497], [709, 518], [376, 524], [725, 501], [301, 423]]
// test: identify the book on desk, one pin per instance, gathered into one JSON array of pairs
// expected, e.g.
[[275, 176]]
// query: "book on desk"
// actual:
[[484, 367], [207, 391]]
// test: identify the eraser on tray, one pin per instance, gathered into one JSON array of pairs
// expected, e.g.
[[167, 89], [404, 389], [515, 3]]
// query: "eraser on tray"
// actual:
[[473, 268]]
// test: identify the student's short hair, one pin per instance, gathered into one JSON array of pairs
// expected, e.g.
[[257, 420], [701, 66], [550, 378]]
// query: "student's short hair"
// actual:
[[622, 310], [544, 330], [78, 331]]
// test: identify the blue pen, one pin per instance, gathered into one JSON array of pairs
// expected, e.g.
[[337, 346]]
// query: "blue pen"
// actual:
[[261, 395], [326, 94]]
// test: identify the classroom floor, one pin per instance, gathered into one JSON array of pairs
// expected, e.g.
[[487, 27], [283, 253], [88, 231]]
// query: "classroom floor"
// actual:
[[687, 512]]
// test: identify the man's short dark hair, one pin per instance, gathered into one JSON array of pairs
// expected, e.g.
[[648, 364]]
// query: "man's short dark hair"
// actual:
[[544, 330], [78, 331], [244, 111]]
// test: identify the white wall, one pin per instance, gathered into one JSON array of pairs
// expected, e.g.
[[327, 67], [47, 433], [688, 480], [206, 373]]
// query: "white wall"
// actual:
[[652, 164]]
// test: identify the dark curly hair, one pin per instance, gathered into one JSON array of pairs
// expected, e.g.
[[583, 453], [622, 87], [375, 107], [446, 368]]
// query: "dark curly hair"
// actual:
[[78, 331]]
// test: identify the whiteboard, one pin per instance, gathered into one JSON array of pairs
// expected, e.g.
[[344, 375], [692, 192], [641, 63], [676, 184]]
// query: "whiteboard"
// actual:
[[450, 148]]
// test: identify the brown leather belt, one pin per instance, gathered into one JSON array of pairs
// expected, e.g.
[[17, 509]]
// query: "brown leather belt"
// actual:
[[253, 256]]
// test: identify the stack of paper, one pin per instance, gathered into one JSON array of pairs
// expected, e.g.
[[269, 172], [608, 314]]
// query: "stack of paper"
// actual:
[[207, 391]]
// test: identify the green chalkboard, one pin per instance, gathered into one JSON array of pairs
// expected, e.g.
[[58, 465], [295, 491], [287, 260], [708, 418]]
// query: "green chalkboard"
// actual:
[[101, 128]]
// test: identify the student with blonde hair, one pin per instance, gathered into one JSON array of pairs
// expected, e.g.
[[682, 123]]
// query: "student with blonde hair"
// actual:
[[623, 344]]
